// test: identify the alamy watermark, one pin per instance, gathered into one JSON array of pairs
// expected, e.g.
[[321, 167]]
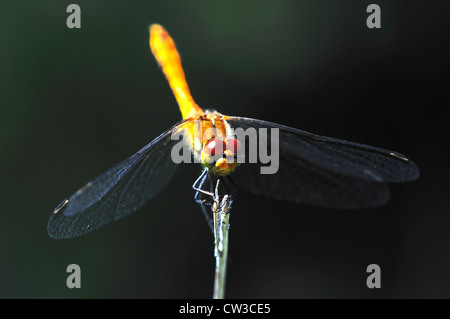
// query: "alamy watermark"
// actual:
[[374, 279], [255, 146], [74, 279]]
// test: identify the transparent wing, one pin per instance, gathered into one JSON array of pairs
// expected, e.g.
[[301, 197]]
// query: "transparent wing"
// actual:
[[300, 182], [324, 171], [117, 192]]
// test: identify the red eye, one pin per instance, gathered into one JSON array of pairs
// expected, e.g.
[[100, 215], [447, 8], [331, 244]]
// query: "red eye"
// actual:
[[233, 145], [215, 146]]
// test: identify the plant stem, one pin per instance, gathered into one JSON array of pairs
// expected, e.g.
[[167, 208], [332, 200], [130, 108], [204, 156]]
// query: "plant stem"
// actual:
[[221, 225]]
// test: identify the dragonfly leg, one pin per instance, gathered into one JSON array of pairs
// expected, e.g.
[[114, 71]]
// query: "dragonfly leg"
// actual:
[[222, 189], [198, 187], [200, 180]]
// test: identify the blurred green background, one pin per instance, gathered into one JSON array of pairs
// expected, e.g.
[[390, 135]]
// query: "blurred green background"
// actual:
[[74, 102]]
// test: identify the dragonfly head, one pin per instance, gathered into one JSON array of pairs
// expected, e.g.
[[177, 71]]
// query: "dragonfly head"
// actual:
[[221, 156]]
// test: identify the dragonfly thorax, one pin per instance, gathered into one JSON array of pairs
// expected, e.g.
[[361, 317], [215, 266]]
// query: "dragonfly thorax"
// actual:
[[212, 142]]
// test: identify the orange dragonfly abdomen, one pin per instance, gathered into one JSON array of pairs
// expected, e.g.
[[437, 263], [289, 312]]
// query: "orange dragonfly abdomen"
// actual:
[[165, 52]]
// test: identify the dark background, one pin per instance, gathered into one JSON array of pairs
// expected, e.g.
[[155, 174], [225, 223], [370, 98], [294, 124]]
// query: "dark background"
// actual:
[[74, 102]]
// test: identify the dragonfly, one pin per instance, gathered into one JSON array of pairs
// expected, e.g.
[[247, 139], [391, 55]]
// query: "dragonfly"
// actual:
[[313, 169]]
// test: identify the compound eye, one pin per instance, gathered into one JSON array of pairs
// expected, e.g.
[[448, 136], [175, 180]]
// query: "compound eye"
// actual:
[[214, 147], [233, 145]]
